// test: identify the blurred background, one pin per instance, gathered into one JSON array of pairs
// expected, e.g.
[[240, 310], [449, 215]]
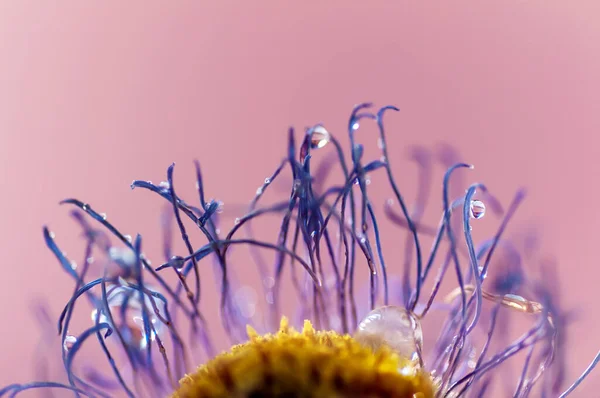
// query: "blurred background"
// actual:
[[94, 96]]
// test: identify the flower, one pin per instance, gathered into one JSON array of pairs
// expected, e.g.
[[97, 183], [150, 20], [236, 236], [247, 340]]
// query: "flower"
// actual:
[[151, 326], [307, 364]]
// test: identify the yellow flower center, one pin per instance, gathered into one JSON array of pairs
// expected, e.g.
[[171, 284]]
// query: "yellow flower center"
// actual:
[[306, 364]]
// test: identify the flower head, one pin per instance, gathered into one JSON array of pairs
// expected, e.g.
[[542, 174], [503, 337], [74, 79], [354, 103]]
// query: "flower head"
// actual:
[[379, 330]]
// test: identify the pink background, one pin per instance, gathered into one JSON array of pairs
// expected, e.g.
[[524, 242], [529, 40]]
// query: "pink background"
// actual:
[[95, 96]]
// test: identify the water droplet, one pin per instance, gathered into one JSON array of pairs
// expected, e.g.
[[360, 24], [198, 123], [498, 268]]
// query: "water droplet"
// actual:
[[355, 126], [73, 265], [149, 182], [394, 327], [319, 138], [69, 342], [259, 191], [217, 231], [128, 238], [177, 262], [85, 207], [52, 235], [130, 319], [236, 221], [267, 181], [132, 186], [90, 260], [380, 143], [103, 215], [477, 209], [164, 184], [197, 185]]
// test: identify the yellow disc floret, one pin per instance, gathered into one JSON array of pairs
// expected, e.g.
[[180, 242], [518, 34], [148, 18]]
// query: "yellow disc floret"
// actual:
[[306, 364]]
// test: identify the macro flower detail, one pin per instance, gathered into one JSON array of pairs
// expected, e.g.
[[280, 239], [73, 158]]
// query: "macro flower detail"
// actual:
[[310, 363], [441, 320]]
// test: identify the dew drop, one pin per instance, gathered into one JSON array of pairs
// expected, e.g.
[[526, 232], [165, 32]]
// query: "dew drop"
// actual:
[[132, 186], [90, 260], [85, 206], [164, 184], [380, 143], [128, 238], [355, 126], [267, 181], [319, 138], [130, 320], [394, 327], [259, 191], [177, 262], [149, 182], [103, 215], [52, 235], [236, 221], [73, 265], [477, 209], [69, 342]]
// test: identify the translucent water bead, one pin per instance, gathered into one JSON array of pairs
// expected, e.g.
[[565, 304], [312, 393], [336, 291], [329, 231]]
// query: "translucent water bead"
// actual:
[[477, 209], [319, 138], [126, 309], [394, 327]]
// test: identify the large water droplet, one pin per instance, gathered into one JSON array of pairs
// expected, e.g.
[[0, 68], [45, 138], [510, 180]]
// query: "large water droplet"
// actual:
[[319, 138], [103, 215], [477, 209], [394, 327], [130, 319]]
